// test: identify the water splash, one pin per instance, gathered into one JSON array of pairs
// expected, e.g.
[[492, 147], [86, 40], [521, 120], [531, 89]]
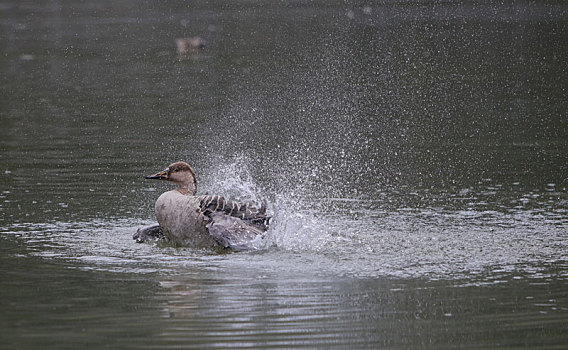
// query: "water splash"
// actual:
[[407, 232], [390, 235], [231, 179]]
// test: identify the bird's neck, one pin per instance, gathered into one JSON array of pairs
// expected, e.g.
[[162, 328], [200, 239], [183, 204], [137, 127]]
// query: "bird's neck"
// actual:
[[187, 190]]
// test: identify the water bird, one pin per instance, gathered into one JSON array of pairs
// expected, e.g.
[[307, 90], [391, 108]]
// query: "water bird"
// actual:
[[186, 219], [188, 45]]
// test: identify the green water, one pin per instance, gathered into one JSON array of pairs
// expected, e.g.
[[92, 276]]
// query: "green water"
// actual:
[[414, 156]]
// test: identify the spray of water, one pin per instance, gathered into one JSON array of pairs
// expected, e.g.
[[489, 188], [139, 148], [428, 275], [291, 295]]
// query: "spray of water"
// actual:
[[329, 235], [365, 236]]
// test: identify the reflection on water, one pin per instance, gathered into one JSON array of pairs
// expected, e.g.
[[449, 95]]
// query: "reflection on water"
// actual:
[[413, 155], [89, 289]]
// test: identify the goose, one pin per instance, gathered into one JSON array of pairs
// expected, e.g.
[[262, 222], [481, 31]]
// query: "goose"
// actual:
[[206, 221], [188, 45]]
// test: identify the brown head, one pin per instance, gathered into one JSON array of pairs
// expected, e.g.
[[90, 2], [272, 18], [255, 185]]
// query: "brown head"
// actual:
[[181, 174]]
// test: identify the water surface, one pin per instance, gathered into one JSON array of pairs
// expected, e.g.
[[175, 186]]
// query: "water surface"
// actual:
[[413, 155]]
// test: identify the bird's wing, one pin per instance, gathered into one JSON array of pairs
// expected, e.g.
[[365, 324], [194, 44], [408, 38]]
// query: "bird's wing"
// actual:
[[147, 233], [232, 232], [249, 212]]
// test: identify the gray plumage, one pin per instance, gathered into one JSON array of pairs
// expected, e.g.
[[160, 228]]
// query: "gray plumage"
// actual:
[[248, 211], [148, 233], [202, 221], [232, 232]]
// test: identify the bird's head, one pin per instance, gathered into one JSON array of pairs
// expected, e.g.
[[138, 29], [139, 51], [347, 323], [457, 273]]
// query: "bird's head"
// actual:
[[179, 173]]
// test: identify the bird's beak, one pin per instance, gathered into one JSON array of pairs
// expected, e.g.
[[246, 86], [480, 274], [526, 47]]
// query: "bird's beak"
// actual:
[[162, 175]]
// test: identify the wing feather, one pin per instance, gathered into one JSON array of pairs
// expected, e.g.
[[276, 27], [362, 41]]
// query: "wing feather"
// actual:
[[249, 212]]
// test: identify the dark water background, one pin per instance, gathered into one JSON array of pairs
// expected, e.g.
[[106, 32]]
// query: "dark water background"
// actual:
[[414, 156]]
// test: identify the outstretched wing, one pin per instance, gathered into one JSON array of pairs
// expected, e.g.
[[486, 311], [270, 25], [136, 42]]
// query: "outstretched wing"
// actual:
[[249, 212]]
